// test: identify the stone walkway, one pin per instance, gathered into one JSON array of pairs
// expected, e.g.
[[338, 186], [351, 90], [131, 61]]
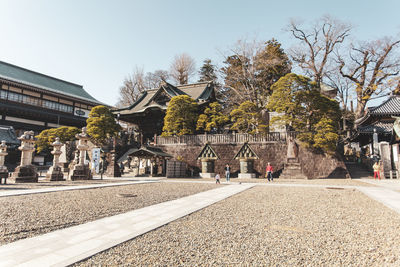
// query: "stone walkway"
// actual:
[[18, 192], [386, 192], [70, 245]]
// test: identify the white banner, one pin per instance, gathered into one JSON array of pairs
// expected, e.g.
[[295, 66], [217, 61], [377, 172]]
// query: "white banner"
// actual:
[[96, 159]]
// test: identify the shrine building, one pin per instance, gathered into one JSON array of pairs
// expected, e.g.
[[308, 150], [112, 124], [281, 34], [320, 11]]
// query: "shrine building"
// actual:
[[149, 110], [33, 101]]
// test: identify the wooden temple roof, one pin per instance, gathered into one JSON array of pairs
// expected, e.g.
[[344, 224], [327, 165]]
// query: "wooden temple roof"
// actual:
[[380, 119], [159, 97]]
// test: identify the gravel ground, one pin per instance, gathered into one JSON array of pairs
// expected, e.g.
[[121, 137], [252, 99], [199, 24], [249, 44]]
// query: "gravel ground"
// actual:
[[30, 215], [271, 227], [45, 184], [285, 181]]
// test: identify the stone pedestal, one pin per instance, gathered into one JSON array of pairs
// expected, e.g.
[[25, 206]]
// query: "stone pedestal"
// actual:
[[292, 170], [55, 172], [26, 172], [246, 169], [81, 171], [207, 168], [246, 175], [113, 169], [207, 175]]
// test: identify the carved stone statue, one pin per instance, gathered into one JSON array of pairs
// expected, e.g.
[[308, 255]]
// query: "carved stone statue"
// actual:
[[292, 149]]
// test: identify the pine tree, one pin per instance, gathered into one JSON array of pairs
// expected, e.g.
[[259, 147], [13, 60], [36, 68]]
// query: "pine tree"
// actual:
[[101, 125], [207, 72], [181, 116], [247, 119], [305, 110], [212, 120], [46, 137]]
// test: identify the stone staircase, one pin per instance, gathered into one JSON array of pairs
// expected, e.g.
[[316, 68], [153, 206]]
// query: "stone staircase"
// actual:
[[358, 171], [292, 170]]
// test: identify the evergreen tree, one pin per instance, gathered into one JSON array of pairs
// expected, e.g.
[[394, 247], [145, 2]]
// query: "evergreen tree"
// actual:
[[181, 116], [101, 125], [212, 120], [247, 119], [208, 72], [306, 110], [46, 137]]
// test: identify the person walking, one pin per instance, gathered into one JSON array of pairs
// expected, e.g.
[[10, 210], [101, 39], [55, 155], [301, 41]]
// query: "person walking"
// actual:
[[217, 178], [268, 172], [228, 173], [377, 169]]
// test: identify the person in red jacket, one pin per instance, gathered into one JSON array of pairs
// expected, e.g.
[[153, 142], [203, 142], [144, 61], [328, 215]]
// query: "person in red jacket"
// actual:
[[268, 172]]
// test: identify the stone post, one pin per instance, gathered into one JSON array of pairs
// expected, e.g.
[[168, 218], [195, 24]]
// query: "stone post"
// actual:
[[113, 169], [3, 169], [55, 172], [26, 172], [81, 170], [3, 154]]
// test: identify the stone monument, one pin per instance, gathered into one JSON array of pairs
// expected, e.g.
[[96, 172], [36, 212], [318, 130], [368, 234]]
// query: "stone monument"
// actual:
[[3, 168], [246, 157], [113, 169], [207, 157], [292, 167], [81, 171], [55, 172], [26, 172]]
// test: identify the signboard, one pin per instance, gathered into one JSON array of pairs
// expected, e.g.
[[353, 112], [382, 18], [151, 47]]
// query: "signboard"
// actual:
[[96, 159], [81, 112]]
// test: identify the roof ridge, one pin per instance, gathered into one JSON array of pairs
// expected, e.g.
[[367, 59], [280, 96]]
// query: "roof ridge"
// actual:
[[191, 84], [39, 73]]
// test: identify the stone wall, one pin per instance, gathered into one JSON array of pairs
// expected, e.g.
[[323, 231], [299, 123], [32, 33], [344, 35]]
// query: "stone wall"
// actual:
[[313, 165]]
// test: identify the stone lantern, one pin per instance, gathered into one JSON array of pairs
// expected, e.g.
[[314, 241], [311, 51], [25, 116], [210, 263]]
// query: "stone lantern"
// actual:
[[55, 172], [26, 172], [81, 171], [246, 157], [207, 157]]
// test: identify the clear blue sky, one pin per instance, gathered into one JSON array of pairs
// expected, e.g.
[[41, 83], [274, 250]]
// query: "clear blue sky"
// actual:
[[96, 43]]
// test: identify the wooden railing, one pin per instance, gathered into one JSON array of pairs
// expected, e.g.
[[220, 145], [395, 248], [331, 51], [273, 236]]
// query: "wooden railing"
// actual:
[[220, 138]]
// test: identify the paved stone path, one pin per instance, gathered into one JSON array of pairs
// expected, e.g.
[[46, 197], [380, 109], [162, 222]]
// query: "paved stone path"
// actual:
[[385, 192], [18, 192], [67, 246]]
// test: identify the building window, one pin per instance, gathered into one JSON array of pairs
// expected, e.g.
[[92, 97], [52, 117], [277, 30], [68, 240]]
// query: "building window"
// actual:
[[3, 94], [34, 101]]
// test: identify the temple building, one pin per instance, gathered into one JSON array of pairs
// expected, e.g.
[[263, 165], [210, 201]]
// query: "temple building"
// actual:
[[376, 137], [148, 112], [33, 101]]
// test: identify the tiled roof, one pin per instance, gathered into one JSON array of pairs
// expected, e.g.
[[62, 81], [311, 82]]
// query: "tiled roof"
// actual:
[[198, 91], [7, 133], [389, 107], [27, 77], [381, 127]]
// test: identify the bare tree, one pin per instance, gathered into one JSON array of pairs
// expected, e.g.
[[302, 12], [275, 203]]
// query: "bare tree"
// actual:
[[251, 69], [344, 87], [317, 43], [373, 67], [154, 79], [182, 68], [133, 86]]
